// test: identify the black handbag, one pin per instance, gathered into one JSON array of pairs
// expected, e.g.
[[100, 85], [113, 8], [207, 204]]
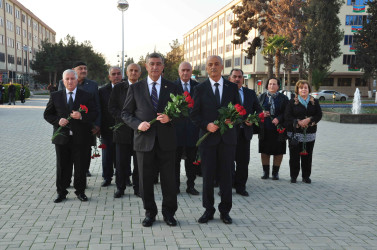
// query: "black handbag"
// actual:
[[293, 140]]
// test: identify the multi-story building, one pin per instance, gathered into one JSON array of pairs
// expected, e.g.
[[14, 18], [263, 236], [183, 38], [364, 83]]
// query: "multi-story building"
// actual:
[[21, 33], [214, 36]]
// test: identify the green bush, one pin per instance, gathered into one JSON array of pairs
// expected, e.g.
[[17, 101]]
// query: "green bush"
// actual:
[[18, 88]]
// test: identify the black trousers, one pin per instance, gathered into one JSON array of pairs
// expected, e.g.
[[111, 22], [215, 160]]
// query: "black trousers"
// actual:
[[66, 155], [165, 162], [123, 166], [217, 158], [108, 158], [189, 166], [306, 160], [242, 162]]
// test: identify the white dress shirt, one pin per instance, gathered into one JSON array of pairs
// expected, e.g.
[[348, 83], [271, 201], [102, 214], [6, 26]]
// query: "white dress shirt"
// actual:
[[183, 85], [73, 95], [221, 85], [150, 85]]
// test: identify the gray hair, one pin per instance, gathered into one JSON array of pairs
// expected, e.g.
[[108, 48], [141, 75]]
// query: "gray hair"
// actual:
[[70, 71], [114, 67], [132, 64], [182, 63], [154, 55], [218, 57]]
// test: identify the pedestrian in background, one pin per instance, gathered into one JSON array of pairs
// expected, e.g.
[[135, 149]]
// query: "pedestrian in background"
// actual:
[[11, 94], [22, 93], [2, 91]]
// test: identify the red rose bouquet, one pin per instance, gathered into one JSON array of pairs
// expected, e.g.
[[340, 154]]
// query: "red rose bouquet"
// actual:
[[82, 108]]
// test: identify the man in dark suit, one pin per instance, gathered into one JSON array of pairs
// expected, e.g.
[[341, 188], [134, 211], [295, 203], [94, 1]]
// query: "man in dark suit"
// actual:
[[90, 86], [72, 144], [187, 133], [107, 121], [250, 102], [155, 144], [123, 136], [217, 149]]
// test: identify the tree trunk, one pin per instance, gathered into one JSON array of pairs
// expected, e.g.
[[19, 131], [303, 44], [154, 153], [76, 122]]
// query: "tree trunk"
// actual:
[[270, 66], [310, 74], [301, 65], [277, 64]]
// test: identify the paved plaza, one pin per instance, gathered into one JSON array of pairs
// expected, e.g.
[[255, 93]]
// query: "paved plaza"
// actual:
[[337, 211]]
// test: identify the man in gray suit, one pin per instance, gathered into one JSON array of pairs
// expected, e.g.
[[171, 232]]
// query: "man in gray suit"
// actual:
[[155, 144]]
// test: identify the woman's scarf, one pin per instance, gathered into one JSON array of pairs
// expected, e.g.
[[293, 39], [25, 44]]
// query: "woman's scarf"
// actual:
[[303, 101], [271, 101]]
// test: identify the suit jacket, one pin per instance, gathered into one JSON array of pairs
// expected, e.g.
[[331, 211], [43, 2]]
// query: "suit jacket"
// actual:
[[124, 134], [57, 108], [205, 111], [187, 133], [91, 87], [251, 104], [138, 108], [107, 119]]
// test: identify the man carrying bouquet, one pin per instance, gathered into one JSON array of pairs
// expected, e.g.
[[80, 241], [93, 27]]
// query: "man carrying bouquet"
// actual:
[[155, 144], [64, 109], [250, 101], [216, 149]]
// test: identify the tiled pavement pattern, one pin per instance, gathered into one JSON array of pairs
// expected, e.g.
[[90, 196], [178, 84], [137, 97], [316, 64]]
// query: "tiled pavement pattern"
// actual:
[[337, 211]]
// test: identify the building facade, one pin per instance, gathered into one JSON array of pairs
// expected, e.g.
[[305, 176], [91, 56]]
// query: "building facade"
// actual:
[[214, 36], [21, 33]]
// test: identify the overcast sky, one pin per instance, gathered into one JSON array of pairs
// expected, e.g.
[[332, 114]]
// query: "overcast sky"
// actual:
[[149, 24]]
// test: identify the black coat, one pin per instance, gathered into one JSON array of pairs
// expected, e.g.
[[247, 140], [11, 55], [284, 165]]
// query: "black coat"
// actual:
[[138, 108], [57, 108], [205, 111], [251, 104], [296, 111], [106, 118], [124, 134], [187, 133]]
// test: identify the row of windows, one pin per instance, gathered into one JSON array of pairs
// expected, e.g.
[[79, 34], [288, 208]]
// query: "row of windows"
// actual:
[[357, 2], [348, 39], [356, 19]]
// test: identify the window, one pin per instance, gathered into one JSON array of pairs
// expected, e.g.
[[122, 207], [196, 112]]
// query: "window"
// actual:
[[2, 57], [10, 59], [349, 59], [355, 19], [348, 39], [35, 26], [18, 30], [9, 25], [9, 9], [328, 82], [29, 36], [29, 21], [215, 25], [19, 61], [360, 82], [1, 22], [229, 17], [18, 46], [214, 52], [228, 63], [221, 21], [221, 50], [228, 48], [24, 33], [221, 35], [1, 3], [23, 18], [246, 61], [357, 2], [1, 39], [344, 81], [237, 46], [17, 13], [237, 61], [214, 39], [10, 42]]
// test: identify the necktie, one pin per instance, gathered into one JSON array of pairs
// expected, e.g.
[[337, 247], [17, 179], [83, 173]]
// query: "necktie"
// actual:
[[217, 94], [185, 87], [154, 96], [70, 101], [239, 92]]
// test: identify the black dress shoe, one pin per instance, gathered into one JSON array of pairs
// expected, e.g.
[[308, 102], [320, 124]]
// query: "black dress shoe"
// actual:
[[192, 191], [82, 197], [118, 193], [243, 193], [148, 221], [226, 218], [88, 174], [307, 180], [170, 221], [105, 183], [128, 182], [60, 198], [207, 216], [293, 180]]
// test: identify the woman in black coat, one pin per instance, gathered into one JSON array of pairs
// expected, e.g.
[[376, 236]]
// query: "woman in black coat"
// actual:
[[22, 93], [271, 142], [301, 117]]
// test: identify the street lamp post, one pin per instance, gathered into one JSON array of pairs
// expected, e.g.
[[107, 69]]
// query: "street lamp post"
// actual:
[[122, 6]]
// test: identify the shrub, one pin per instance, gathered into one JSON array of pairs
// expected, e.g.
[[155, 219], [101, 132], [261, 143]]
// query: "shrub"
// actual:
[[18, 87]]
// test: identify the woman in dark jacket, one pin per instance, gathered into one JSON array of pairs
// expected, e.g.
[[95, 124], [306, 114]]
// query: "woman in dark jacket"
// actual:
[[22, 93], [270, 141], [301, 117]]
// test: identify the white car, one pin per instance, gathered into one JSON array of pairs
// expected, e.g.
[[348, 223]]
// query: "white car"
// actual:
[[328, 95]]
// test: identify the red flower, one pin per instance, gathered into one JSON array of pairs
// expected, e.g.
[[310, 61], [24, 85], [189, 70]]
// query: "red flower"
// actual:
[[304, 152], [199, 161], [188, 99], [281, 130], [103, 146], [261, 116], [196, 163], [190, 105], [186, 93], [84, 108]]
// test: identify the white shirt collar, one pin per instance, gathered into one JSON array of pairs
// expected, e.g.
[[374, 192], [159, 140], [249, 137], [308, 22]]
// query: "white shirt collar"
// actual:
[[220, 82], [74, 91], [150, 81]]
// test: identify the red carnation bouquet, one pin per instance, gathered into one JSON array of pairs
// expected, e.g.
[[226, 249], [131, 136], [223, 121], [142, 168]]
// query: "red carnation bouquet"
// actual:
[[179, 106], [82, 108], [280, 129], [233, 113], [255, 118]]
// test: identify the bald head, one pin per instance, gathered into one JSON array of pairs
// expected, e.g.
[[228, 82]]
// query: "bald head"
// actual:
[[185, 71]]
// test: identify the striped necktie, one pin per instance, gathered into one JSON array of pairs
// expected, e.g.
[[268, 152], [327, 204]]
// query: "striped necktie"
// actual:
[[154, 96]]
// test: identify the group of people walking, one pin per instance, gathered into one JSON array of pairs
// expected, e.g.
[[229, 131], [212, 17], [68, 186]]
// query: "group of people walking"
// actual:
[[120, 114]]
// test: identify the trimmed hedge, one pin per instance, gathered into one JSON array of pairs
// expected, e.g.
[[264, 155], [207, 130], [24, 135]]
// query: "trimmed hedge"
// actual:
[[18, 88]]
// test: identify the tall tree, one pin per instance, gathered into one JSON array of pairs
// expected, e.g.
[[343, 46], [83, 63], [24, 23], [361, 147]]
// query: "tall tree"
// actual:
[[321, 42], [365, 43], [172, 60]]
